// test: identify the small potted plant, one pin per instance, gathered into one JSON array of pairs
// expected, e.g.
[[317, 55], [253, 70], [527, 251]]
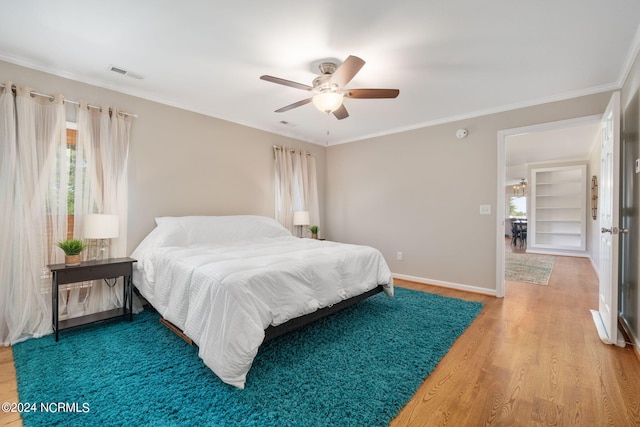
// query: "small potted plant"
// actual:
[[72, 249], [314, 231]]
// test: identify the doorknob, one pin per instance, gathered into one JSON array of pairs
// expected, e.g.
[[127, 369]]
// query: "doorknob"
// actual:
[[614, 230]]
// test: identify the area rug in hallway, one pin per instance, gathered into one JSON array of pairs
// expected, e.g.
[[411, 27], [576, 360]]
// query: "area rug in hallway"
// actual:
[[528, 268], [358, 367]]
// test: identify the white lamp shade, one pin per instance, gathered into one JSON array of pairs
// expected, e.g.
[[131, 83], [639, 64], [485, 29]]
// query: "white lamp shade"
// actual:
[[301, 218], [100, 226], [328, 102]]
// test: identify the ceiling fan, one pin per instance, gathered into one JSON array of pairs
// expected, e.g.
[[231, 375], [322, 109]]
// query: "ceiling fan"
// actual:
[[329, 88]]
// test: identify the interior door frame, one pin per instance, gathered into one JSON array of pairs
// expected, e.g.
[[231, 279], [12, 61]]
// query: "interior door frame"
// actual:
[[502, 170]]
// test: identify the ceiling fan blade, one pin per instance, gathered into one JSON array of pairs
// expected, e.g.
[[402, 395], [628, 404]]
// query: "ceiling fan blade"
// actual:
[[371, 93], [347, 70], [284, 82], [294, 105], [341, 113]]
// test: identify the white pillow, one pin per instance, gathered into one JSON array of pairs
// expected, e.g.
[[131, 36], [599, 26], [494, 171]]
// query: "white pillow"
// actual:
[[161, 236], [189, 230], [219, 229]]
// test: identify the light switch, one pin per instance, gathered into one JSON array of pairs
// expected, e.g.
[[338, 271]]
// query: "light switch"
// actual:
[[637, 165], [485, 209]]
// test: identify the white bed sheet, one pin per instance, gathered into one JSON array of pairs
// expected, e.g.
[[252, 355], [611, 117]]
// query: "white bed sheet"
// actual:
[[224, 295]]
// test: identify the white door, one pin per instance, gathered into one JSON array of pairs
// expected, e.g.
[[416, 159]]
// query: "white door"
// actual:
[[606, 318]]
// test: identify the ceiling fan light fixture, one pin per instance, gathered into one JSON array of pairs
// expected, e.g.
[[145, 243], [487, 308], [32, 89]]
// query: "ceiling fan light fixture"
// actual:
[[328, 88], [328, 102]]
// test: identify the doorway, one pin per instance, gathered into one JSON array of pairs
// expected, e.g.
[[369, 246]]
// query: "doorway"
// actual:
[[542, 143]]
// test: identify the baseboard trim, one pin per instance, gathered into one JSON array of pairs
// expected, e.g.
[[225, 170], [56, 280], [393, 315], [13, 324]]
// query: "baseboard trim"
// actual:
[[449, 285], [538, 251]]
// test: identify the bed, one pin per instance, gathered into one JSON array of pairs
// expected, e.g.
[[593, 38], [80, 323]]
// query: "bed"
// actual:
[[229, 282]]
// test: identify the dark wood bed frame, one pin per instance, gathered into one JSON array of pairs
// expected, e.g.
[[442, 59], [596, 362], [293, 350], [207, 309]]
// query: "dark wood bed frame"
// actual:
[[275, 331]]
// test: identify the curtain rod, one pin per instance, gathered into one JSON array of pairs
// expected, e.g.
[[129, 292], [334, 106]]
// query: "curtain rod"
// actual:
[[293, 150], [51, 98]]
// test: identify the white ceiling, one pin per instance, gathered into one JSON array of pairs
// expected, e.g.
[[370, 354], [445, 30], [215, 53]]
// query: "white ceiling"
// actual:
[[563, 144], [450, 59]]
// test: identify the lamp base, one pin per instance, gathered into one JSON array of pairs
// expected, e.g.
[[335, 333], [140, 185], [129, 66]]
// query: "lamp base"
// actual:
[[98, 250], [104, 250]]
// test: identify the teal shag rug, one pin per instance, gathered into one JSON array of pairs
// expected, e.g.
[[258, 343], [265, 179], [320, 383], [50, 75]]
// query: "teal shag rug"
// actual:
[[358, 367]]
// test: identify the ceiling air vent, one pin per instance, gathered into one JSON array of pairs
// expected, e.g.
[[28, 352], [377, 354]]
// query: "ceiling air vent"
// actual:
[[125, 72]]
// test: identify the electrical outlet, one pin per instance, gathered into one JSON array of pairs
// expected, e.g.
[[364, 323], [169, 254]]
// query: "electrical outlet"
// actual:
[[399, 256], [485, 209], [637, 165]]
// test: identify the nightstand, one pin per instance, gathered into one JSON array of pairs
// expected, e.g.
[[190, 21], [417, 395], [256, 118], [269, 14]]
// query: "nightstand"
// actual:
[[87, 271]]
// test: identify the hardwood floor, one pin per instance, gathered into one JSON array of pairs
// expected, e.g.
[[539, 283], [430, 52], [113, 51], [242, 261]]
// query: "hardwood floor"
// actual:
[[531, 359], [8, 387]]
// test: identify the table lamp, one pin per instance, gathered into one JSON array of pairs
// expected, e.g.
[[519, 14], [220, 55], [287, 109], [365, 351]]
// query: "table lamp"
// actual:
[[100, 227], [301, 218]]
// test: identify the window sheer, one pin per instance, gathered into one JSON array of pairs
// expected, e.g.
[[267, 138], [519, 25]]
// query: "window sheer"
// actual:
[[33, 170], [35, 209], [296, 186]]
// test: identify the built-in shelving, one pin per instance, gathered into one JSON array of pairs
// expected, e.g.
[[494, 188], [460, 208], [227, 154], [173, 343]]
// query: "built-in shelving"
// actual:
[[558, 209]]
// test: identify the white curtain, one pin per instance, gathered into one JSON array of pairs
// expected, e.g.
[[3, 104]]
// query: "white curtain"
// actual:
[[33, 209], [34, 174], [296, 186], [102, 150]]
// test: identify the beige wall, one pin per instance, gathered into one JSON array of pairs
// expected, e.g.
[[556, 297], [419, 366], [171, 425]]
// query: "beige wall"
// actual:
[[187, 164], [182, 163], [417, 192], [420, 191]]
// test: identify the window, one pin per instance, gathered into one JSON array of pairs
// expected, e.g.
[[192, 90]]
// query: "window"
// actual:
[[518, 207], [71, 165], [72, 134]]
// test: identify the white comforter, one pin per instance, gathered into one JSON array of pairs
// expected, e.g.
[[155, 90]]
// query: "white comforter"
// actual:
[[224, 295]]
